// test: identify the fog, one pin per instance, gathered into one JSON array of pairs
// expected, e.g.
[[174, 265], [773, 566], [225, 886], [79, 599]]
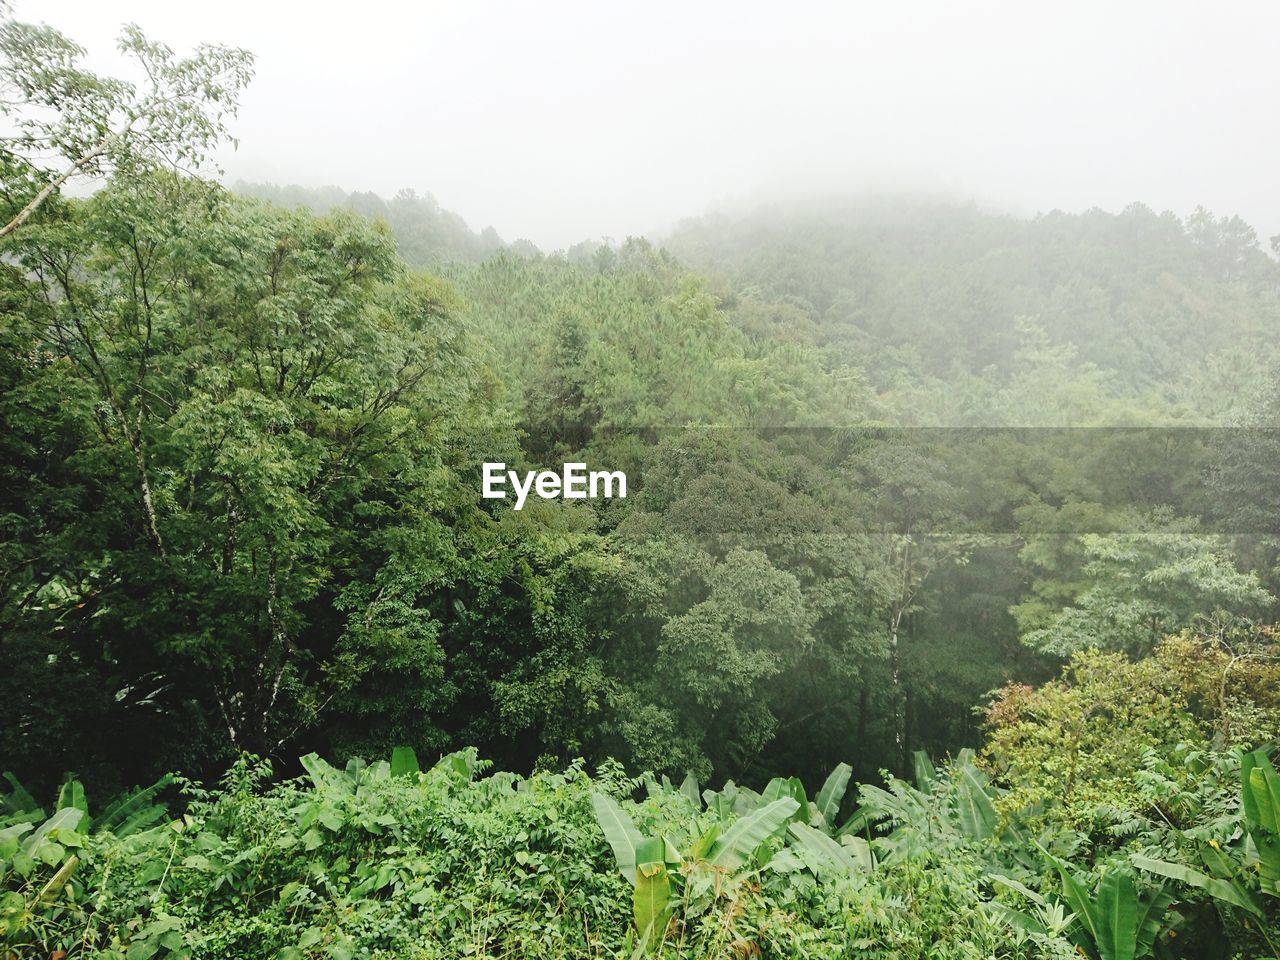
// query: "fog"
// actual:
[[559, 121]]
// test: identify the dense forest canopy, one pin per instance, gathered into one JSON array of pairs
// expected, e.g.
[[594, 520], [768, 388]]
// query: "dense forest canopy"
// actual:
[[909, 479]]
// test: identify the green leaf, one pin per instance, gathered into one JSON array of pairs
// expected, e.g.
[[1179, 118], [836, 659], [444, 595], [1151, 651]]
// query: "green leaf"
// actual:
[[1117, 916], [72, 795], [404, 762], [651, 898], [49, 892], [18, 800], [1075, 894], [651, 850], [1261, 795], [924, 771], [1228, 891], [1151, 911], [1018, 888], [832, 792], [977, 814], [775, 788], [1015, 918], [1264, 785], [801, 798], [689, 787], [619, 831], [324, 776], [68, 818], [860, 850], [133, 812], [704, 844], [824, 847], [1249, 762], [736, 845]]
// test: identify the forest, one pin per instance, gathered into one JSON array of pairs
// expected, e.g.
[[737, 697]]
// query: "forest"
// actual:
[[938, 619]]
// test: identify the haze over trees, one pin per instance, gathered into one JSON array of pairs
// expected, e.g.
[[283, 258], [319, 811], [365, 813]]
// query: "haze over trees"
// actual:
[[907, 480]]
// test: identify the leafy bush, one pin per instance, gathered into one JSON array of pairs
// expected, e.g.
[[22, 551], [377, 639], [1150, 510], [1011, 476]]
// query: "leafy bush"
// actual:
[[385, 860]]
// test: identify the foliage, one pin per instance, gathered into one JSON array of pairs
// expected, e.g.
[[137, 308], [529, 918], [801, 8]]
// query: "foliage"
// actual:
[[383, 860], [64, 121], [882, 460], [1076, 742]]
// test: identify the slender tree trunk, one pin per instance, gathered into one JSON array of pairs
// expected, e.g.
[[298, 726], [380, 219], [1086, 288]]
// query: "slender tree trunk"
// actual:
[[864, 706], [148, 502], [51, 188], [908, 724], [229, 541], [898, 715]]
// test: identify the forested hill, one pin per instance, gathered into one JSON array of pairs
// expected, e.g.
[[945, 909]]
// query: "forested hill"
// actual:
[[915, 493], [955, 314], [426, 233], [931, 290]]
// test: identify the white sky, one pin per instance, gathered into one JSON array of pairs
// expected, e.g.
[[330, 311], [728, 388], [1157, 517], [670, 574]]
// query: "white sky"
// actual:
[[558, 121]]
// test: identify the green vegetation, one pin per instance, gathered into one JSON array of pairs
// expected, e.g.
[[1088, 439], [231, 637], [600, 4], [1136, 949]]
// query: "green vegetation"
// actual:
[[906, 481]]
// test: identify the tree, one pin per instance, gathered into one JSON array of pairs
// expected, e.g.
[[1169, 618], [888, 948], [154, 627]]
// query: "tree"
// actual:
[[68, 122], [1140, 587], [908, 500], [261, 402]]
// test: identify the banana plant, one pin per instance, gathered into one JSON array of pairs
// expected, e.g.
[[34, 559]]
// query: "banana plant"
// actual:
[[651, 902], [1229, 872], [954, 804], [32, 844], [1114, 921], [733, 800], [848, 853], [1260, 795], [814, 826], [657, 869], [836, 845], [127, 814], [826, 805]]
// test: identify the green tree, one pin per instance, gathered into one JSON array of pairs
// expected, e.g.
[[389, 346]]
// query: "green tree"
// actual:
[[263, 404]]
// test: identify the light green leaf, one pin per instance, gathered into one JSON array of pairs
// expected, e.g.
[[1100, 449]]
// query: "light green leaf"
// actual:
[[1227, 891], [620, 831], [832, 792], [736, 845], [404, 762], [824, 847]]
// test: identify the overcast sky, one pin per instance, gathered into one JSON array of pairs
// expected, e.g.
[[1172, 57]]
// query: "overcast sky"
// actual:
[[558, 121]]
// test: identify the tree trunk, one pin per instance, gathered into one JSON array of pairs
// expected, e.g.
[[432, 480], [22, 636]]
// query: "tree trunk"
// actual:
[[898, 715], [51, 188]]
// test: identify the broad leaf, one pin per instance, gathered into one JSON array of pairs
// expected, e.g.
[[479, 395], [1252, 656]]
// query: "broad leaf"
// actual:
[[404, 762], [976, 812], [1117, 916], [72, 795], [133, 812], [737, 844], [1228, 891], [925, 772], [651, 897], [689, 787], [620, 831], [824, 847], [832, 793]]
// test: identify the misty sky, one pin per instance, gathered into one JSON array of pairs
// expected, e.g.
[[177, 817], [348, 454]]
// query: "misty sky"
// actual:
[[558, 121]]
